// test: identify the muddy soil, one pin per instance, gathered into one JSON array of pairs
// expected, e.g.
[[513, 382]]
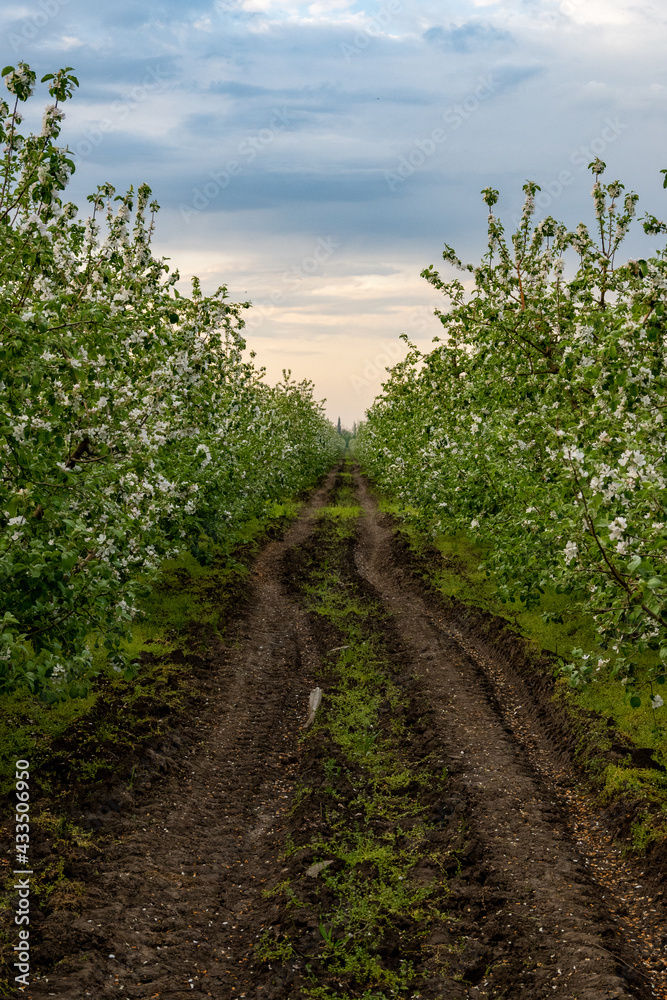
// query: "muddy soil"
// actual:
[[175, 891]]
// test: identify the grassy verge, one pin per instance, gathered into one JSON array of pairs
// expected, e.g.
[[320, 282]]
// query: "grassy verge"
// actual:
[[623, 749], [369, 853]]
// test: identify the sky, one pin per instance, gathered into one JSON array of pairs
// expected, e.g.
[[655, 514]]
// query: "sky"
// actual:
[[316, 157]]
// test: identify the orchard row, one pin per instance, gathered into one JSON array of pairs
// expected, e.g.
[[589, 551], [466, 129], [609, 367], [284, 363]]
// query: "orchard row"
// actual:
[[131, 426], [536, 427]]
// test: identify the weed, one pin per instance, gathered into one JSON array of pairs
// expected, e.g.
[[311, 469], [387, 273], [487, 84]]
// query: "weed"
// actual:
[[270, 950]]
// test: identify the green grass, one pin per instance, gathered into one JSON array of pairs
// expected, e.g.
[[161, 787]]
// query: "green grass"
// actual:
[[340, 513], [29, 722]]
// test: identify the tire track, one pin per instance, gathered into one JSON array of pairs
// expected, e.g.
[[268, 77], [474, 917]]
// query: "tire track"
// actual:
[[169, 904], [174, 902], [639, 918], [515, 811]]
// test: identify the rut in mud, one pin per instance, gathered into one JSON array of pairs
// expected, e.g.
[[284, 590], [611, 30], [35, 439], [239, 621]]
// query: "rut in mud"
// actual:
[[415, 842]]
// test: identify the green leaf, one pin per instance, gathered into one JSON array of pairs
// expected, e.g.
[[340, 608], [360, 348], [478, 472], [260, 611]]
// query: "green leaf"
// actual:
[[635, 701]]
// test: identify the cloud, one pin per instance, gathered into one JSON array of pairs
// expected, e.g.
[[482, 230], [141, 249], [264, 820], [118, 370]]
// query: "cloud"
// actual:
[[361, 89], [469, 37]]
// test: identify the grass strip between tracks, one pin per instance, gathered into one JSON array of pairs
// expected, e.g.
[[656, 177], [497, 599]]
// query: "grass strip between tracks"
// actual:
[[367, 812]]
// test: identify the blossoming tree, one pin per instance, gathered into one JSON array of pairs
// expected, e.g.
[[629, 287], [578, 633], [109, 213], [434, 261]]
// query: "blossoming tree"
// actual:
[[537, 425], [130, 422]]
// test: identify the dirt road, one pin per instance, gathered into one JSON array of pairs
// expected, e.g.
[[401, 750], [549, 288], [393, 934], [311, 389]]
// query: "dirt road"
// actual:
[[526, 897]]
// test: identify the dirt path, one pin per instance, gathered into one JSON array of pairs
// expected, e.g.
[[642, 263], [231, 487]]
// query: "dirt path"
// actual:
[[167, 905], [508, 767], [174, 902]]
